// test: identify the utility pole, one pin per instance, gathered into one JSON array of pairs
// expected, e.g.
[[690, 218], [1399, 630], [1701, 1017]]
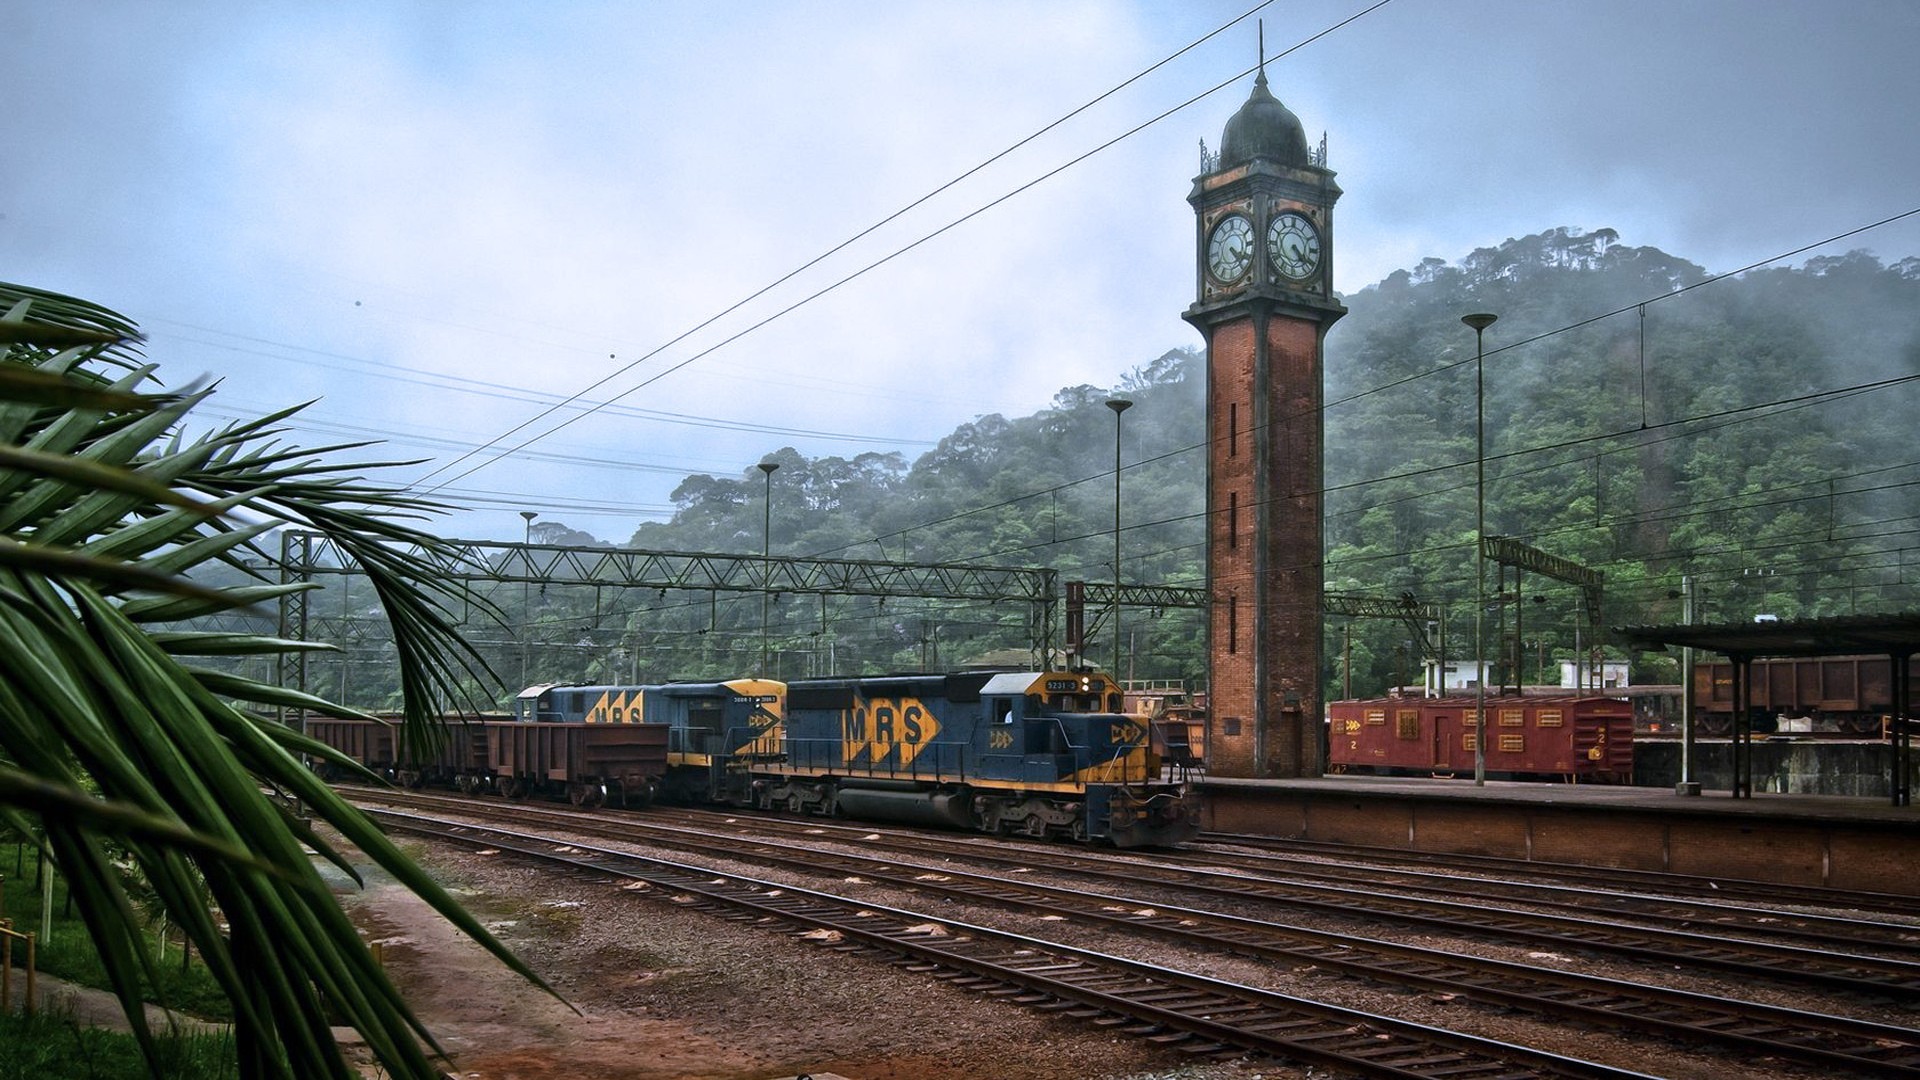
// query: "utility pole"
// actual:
[[766, 536], [1479, 322], [526, 594], [1687, 785], [1118, 405]]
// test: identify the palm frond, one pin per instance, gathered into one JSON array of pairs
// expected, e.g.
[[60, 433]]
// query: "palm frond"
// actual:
[[107, 514]]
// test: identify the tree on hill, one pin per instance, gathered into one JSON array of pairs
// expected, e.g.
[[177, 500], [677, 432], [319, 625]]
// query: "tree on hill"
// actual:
[[1685, 432], [1637, 421]]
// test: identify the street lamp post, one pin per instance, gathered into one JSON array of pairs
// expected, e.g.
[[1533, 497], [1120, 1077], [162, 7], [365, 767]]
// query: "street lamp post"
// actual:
[[526, 594], [1479, 321], [1118, 405], [766, 534]]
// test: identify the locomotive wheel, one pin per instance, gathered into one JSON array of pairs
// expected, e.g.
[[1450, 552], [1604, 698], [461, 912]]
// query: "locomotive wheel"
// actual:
[[586, 796]]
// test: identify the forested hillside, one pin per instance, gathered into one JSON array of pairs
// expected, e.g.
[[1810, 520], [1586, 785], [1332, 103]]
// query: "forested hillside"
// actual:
[[1753, 432], [1740, 431]]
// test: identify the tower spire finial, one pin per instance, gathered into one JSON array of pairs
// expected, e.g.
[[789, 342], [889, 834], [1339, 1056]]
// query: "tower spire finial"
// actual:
[[1261, 78]]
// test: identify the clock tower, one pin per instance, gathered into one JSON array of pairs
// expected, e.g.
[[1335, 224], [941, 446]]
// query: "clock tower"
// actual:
[[1264, 282]]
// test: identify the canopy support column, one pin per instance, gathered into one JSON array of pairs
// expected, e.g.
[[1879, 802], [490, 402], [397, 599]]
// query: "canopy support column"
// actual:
[[1742, 726], [1902, 687]]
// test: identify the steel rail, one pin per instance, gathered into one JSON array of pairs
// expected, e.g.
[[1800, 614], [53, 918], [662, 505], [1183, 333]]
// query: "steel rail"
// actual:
[[1846, 972], [1647, 910], [1721, 889], [1685, 1017], [1172, 1006]]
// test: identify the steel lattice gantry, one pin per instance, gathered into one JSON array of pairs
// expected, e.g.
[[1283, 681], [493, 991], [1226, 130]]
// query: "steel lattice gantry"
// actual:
[[1101, 597], [1506, 551], [305, 555]]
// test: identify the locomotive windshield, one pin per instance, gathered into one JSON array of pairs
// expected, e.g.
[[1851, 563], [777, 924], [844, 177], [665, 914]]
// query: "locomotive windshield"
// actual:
[[1075, 703]]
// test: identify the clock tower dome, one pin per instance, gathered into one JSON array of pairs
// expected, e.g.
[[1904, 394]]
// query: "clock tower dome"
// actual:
[[1264, 287]]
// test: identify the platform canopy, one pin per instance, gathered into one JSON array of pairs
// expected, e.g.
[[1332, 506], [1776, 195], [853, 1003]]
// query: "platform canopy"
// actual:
[[1894, 636], [1887, 635]]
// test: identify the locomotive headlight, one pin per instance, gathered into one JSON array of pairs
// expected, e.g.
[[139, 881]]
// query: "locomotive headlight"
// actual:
[[1086, 683]]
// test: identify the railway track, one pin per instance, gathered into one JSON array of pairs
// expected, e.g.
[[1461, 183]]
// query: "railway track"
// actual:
[[1829, 1042], [1730, 915], [1193, 1013], [1811, 959], [1669, 885]]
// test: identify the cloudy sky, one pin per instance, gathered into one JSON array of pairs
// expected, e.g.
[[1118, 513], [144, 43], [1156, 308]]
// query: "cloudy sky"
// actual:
[[442, 220]]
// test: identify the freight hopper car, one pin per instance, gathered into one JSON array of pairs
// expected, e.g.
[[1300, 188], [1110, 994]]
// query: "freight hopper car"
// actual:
[[460, 760], [1548, 738], [1041, 754], [1827, 695], [623, 764], [706, 724]]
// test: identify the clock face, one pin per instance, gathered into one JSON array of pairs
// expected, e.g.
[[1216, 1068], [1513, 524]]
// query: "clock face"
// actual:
[[1230, 248], [1293, 246]]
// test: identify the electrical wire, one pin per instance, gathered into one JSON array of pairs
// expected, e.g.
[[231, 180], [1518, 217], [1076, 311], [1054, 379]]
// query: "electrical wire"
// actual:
[[882, 261], [1732, 414]]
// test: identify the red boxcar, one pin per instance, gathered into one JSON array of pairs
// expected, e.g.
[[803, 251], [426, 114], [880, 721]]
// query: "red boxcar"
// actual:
[[1562, 738]]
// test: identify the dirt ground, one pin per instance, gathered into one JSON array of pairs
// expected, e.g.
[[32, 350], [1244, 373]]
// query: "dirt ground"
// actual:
[[660, 991], [664, 993]]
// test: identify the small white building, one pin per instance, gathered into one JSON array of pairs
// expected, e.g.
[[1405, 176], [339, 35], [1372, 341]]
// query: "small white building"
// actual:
[[1458, 675], [1613, 674], [1454, 675]]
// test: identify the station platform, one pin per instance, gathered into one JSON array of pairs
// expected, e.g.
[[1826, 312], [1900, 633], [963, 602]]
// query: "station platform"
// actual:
[[1836, 841]]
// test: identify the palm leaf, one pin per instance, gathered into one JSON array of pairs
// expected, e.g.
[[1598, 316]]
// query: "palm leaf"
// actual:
[[106, 513], [28, 792]]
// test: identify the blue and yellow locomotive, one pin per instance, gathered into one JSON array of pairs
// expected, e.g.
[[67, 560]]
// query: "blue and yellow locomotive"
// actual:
[[1030, 753], [709, 724], [1037, 754]]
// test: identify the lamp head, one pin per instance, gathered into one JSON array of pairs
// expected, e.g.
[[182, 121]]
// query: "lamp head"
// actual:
[[1480, 320]]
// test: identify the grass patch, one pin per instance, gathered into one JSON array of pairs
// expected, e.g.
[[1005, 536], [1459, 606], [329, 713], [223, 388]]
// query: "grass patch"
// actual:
[[50, 1045], [185, 986]]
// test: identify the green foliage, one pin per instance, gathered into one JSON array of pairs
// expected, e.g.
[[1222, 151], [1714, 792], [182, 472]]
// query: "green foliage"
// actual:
[[1727, 467], [52, 1044], [1722, 468], [1637, 421], [69, 954], [129, 754], [1036, 491]]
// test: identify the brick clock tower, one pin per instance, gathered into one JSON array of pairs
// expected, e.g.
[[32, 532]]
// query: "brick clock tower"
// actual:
[[1264, 238]]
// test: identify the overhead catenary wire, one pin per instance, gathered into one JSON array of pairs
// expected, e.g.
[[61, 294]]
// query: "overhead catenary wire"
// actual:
[[884, 260], [402, 373], [1757, 410]]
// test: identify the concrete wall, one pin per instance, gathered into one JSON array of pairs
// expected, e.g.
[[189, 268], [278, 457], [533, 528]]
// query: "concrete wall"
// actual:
[[1789, 767], [1678, 835]]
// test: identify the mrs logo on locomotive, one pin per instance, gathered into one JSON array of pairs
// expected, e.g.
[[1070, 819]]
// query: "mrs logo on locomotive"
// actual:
[[873, 730]]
